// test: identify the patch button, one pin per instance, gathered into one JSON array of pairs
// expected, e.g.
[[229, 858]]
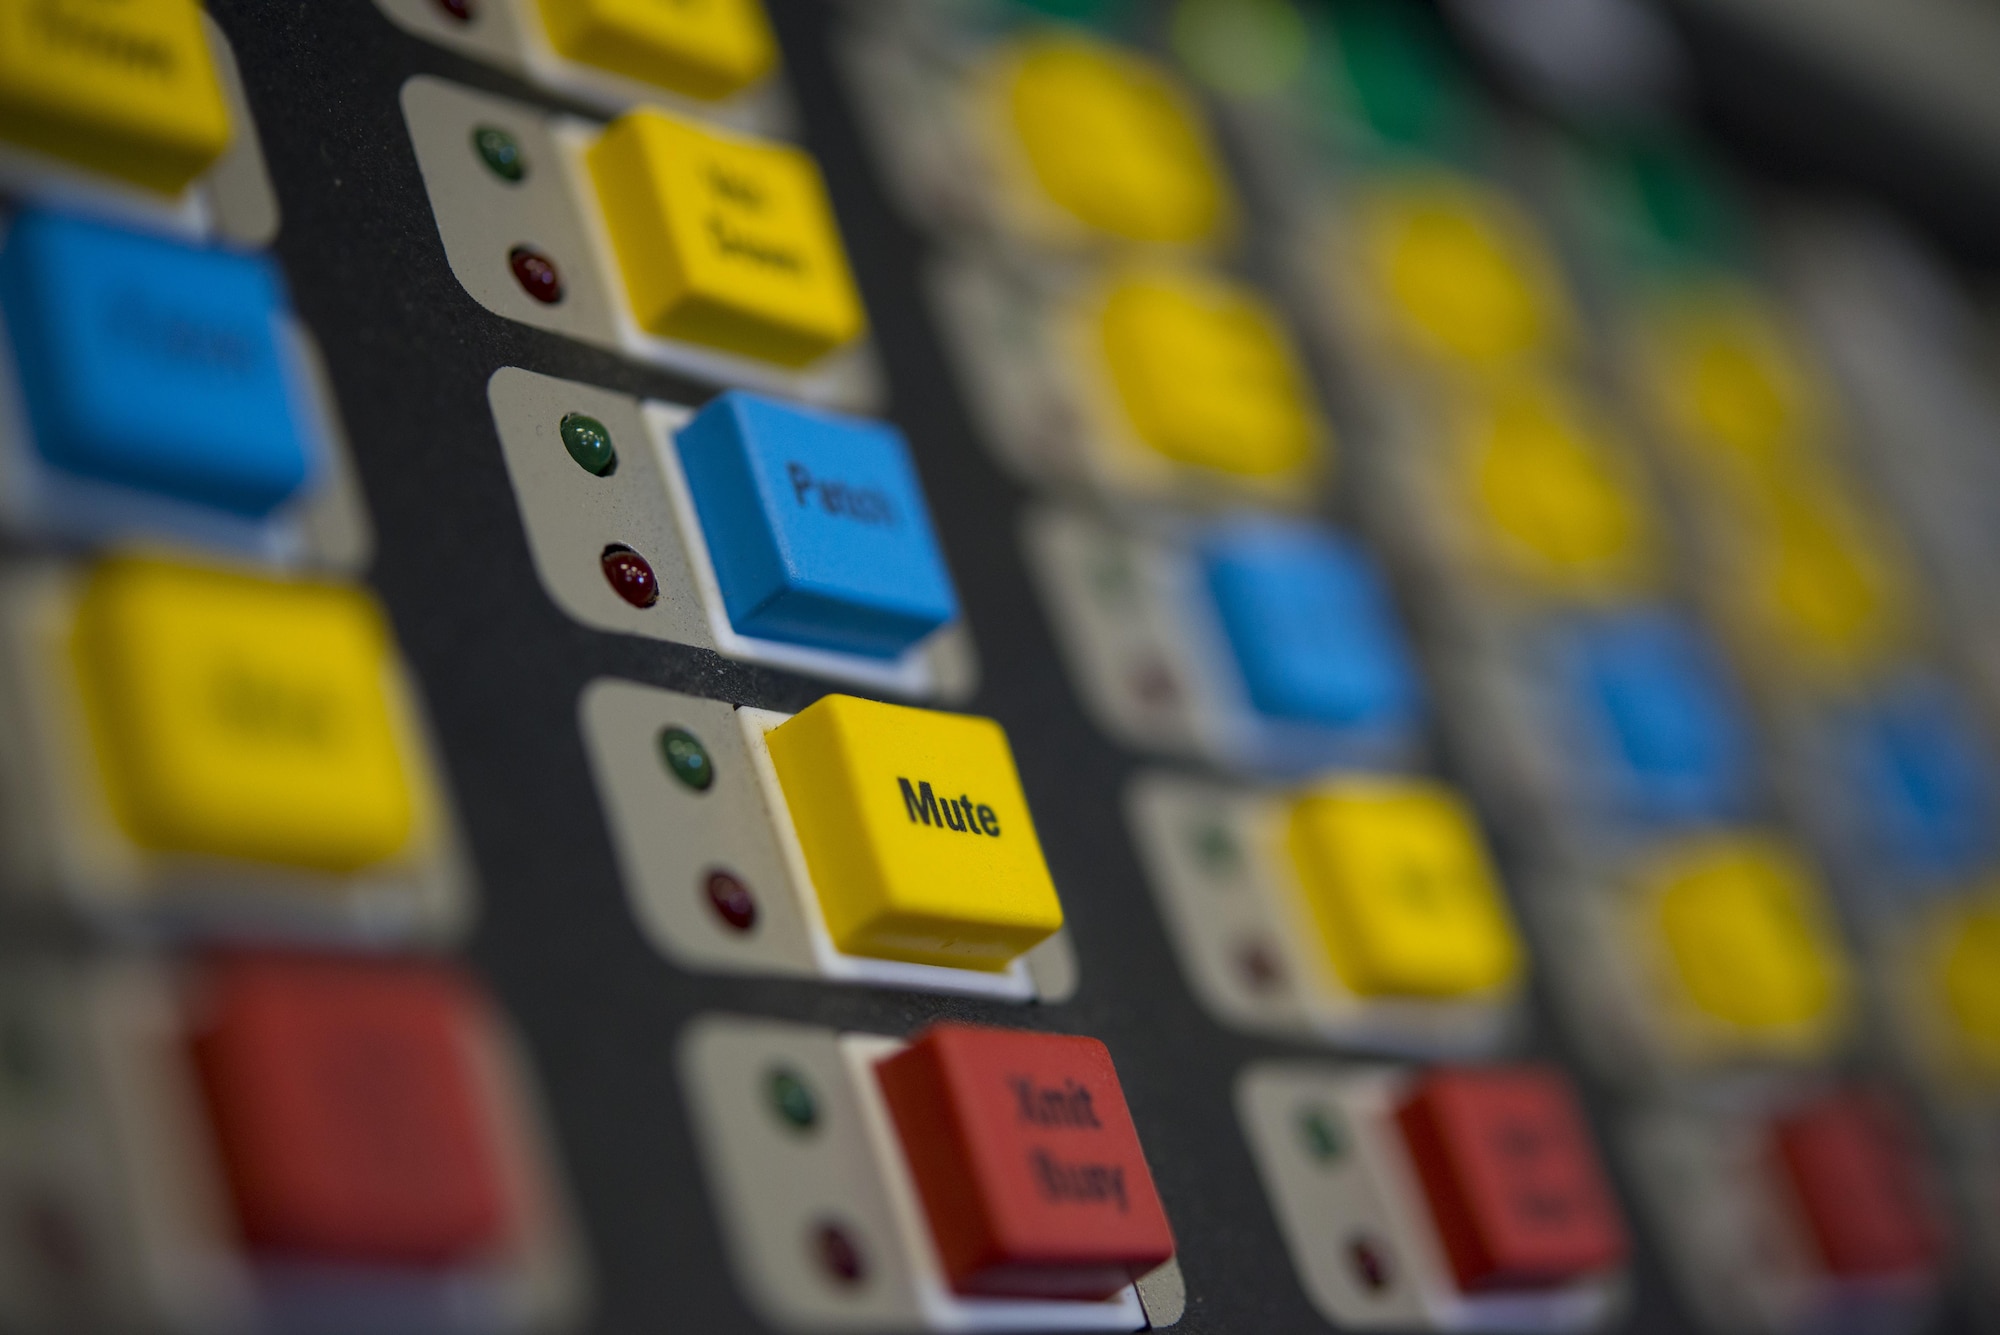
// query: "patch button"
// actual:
[[817, 526]]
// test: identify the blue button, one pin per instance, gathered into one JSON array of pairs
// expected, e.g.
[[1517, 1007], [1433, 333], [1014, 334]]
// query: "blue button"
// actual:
[[816, 525], [153, 364], [1924, 779], [1658, 709], [1310, 623]]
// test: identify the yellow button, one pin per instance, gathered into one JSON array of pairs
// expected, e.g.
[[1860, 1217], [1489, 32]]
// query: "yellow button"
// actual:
[[724, 240], [702, 48], [1111, 140], [1746, 938], [1561, 505], [1399, 883], [1830, 597], [124, 87], [916, 832], [243, 717], [1731, 380], [1206, 374], [1462, 272], [1969, 974]]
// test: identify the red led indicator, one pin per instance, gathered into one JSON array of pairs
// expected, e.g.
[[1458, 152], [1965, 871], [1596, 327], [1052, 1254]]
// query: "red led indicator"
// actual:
[[631, 577], [536, 273], [732, 900]]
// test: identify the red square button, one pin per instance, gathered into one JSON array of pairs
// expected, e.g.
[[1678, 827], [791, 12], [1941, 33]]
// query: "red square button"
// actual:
[[1512, 1179], [1856, 1176], [1027, 1162], [347, 1108]]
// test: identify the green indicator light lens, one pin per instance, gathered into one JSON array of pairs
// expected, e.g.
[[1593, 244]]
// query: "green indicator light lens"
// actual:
[[687, 758], [1322, 1135], [501, 152], [1247, 48], [589, 444], [1216, 847], [792, 1099]]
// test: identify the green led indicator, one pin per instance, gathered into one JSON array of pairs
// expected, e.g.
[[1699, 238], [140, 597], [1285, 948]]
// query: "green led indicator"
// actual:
[[501, 152], [1321, 1133], [687, 758], [589, 444], [1216, 847], [792, 1099]]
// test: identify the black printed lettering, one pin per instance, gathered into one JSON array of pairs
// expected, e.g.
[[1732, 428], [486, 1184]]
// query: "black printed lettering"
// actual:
[[960, 814], [1087, 1183], [843, 500], [920, 802]]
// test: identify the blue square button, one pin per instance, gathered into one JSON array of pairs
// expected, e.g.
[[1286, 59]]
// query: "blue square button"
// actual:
[[1309, 621], [816, 525], [1922, 780], [1659, 716], [154, 364]]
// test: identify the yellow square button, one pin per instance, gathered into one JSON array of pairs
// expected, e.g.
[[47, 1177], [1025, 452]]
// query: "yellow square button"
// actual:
[[702, 48], [724, 240], [1821, 588], [1462, 274], [242, 717], [1111, 141], [1730, 378], [1746, 940], [1399, 882], [1205, 373], [916, 832], [1558, 501], [1967, 973], [125, 87]]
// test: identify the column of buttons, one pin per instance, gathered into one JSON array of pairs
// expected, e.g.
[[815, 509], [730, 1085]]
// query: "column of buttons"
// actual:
[[1086, 215]]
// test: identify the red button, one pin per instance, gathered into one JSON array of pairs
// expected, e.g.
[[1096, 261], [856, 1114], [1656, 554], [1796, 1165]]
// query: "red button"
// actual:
[[1511, 1176], [1857, 1178], [1027, 1162], [350, 1119]]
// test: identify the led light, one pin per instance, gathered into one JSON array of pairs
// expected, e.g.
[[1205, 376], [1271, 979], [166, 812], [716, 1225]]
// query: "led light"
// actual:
[[536, 273], [792, 1099], [589, 444], [731, 900], [501, 152], [687, 758], [630, 575]]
